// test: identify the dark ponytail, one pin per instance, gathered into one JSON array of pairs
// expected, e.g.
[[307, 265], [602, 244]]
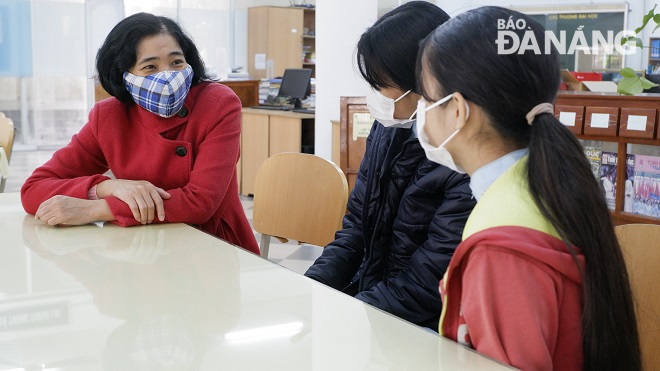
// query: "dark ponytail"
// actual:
[[462, 56], [567, 193]]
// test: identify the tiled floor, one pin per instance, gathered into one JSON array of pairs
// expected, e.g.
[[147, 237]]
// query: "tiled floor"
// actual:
[[290, 255]]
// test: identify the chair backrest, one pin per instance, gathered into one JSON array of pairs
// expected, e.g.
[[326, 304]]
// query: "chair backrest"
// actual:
[[640, 244], [7, 134], [7, 131], [299, 197]]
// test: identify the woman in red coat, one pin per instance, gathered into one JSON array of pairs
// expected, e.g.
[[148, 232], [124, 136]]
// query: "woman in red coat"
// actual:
[[169, 137]]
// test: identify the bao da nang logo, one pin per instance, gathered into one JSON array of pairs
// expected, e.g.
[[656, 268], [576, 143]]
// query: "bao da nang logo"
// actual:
[[509, 40]]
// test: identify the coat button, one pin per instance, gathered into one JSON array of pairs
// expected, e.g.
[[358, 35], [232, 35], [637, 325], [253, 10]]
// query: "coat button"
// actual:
[[181, 151], [183, 112]]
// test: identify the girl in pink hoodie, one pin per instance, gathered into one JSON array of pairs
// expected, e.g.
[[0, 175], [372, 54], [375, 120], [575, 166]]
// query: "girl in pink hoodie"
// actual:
[[539, 281]]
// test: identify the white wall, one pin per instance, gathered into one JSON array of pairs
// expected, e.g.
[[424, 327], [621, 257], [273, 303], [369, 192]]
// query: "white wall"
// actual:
[[339, 25], [102, 16], [336, 41], [58, 80], [58, 46], [337, 33]]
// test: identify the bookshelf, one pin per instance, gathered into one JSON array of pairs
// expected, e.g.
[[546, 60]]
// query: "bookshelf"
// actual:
[[309, 40], [617, 132], [654, 56], [280, 38]]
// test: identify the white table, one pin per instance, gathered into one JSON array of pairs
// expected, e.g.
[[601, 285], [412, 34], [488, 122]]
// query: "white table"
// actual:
[[169, 297]]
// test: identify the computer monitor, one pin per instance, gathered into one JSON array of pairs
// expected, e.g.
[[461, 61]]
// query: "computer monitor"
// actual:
[[295, 85]]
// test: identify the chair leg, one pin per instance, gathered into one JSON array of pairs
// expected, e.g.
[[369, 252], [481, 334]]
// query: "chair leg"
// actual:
[[265, 244]]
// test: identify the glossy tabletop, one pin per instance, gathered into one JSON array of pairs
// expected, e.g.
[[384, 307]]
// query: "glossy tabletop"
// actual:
[[169, 297]]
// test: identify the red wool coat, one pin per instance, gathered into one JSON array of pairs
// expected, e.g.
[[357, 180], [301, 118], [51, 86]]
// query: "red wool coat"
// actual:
[[191, 155]]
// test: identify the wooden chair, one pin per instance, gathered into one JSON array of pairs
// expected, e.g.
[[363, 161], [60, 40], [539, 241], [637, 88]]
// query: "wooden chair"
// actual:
[[7, 134], [640, 244], [299, 197]]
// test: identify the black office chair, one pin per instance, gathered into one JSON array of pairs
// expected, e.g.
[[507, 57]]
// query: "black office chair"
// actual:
[[656, 79]]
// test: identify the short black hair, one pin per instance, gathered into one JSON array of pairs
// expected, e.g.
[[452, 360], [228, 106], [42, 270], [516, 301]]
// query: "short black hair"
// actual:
[[387, 51], [119, 51]]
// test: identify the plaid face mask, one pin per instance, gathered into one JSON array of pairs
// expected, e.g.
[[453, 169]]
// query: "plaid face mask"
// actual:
[[162, 93]]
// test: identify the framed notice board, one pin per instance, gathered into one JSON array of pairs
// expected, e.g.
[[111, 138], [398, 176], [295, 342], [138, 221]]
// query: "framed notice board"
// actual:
[[589, 20]]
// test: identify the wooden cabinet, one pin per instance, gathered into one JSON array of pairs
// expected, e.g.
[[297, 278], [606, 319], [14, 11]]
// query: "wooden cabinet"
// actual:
[[309, 40], [629, 124], [601, 121], [278, 34], [355, 124], [266, 133], [572, 116], [254, 148], [624, 122], [247, 91]]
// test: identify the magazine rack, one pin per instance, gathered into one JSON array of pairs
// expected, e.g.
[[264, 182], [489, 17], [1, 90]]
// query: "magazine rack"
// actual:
[[618, 119]]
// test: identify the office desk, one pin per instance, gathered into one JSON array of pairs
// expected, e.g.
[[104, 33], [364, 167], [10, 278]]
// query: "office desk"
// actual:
[[267, 132], [169, 297]]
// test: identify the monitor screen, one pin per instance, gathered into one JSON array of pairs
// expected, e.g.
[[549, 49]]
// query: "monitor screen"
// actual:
[[295, 83]]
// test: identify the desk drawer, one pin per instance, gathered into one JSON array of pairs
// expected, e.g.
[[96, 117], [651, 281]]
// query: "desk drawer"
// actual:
[[572, 117], [601, 121], [637, 123]]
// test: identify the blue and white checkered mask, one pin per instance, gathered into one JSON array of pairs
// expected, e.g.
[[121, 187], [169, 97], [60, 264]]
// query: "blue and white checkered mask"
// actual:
[[162, 93]]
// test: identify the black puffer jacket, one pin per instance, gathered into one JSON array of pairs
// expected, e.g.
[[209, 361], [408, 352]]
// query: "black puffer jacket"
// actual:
[[405, 218]]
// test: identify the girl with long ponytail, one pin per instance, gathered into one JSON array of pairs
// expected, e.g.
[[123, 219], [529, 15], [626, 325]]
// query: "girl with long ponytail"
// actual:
[[539, 281]]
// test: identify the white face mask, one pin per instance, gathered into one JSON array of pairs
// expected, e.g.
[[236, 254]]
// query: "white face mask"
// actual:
[[382, 109], [438, 154]]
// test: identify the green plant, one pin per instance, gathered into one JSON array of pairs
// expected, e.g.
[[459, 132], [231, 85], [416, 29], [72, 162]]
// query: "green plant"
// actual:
[[630, 83]]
